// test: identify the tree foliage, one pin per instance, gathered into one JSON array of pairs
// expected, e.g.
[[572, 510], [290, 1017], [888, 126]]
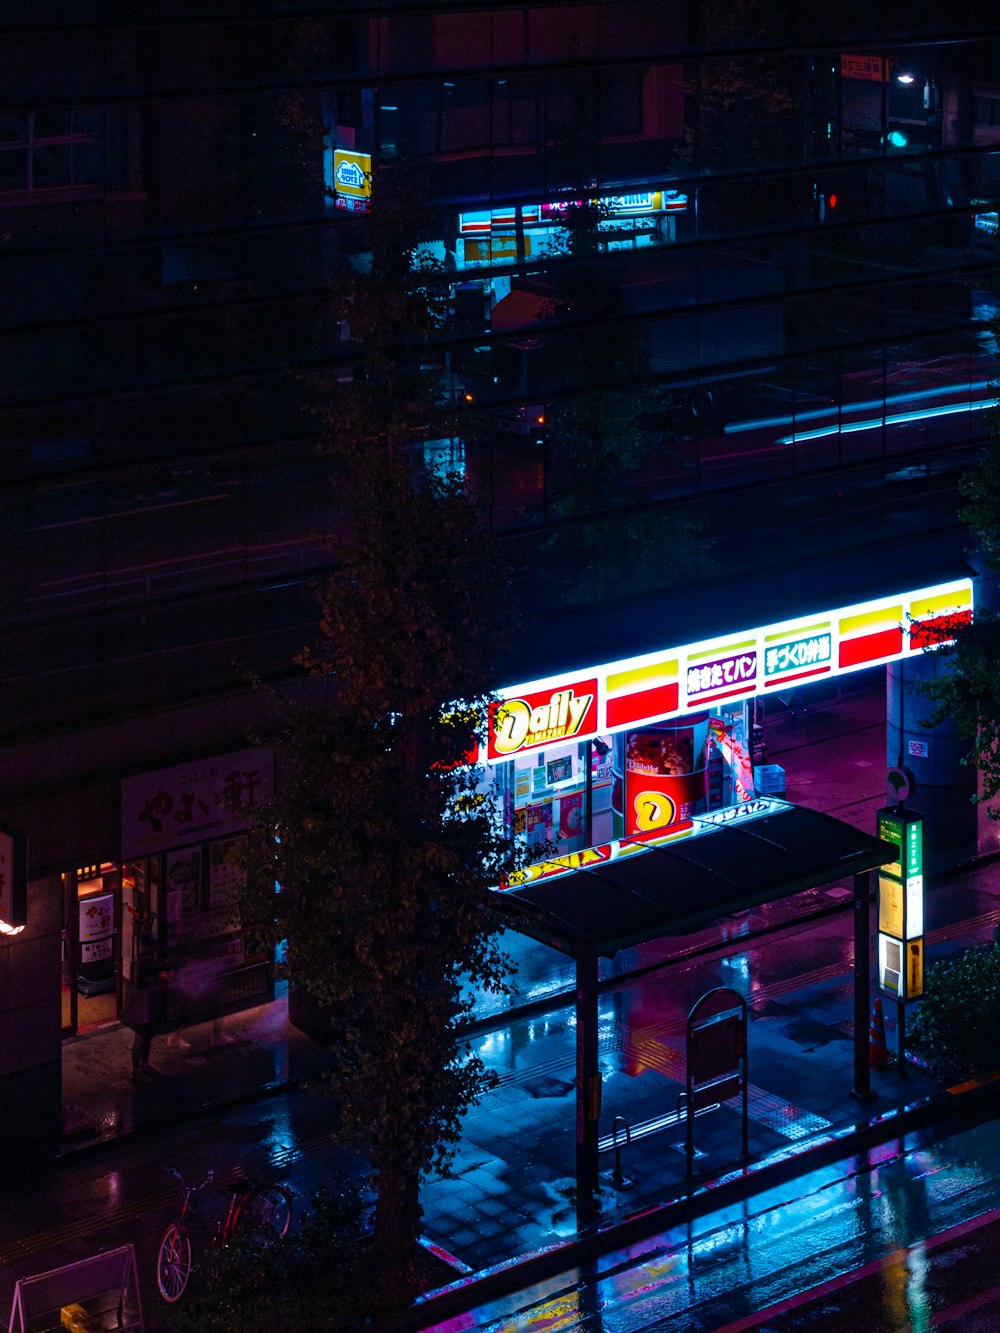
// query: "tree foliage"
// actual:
[[969, 692], [954, 1028], [312, 1278], [599, 439], [745, 103], [980, 488], [386, 838], [594, 422]]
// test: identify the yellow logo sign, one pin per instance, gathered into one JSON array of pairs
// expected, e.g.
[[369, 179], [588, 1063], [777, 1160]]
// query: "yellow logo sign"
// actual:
[[653, 809], [352, 173], [539, 720]]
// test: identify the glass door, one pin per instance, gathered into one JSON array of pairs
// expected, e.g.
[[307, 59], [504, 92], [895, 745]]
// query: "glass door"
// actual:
[[91, 947]]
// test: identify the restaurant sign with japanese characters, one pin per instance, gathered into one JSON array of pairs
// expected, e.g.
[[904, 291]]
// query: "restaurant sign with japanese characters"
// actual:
[[193, 802]]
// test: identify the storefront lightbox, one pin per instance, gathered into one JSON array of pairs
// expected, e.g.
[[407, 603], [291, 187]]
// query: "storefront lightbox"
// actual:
[[672, 681], [901, 906]]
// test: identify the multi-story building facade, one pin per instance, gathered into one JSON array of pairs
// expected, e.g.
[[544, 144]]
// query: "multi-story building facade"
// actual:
[[783, 305]]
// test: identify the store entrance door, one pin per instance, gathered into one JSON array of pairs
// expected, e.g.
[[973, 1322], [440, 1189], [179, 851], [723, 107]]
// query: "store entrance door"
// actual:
[[91, 948]]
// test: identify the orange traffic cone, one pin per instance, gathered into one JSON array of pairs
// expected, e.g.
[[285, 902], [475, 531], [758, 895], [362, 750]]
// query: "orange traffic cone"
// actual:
[[878, 1053]]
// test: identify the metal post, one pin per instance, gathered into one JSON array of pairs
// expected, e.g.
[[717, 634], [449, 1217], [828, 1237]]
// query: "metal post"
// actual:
[[900, 1037], [616, 1174], [746, 1087], [862, 987], [588, 1089], [588, 794]]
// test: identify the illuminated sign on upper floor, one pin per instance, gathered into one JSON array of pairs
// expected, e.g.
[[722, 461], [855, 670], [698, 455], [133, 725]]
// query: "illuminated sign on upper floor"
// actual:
[[666, 683], [505, 218]]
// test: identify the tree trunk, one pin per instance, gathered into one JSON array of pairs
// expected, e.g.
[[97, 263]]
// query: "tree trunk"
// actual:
[[397, 1228]]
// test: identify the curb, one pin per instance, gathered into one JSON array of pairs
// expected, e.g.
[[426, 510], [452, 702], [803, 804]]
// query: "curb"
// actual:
[[70, 1152], [964, 1101]]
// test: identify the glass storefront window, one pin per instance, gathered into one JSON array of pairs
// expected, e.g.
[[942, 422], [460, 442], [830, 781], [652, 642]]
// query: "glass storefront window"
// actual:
[[642, 779]]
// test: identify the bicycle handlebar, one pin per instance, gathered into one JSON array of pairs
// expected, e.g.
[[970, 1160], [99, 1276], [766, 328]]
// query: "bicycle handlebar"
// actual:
[[174, 1174]]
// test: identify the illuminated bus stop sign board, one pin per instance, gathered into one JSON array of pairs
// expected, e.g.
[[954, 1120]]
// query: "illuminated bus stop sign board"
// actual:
[[901, 906]]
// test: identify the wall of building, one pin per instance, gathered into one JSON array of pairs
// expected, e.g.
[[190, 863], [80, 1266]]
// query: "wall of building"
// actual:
[[168, 244], [30, 1037]]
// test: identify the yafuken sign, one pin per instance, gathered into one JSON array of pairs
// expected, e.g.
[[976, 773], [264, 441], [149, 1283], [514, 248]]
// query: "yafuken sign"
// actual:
[[672, 681]]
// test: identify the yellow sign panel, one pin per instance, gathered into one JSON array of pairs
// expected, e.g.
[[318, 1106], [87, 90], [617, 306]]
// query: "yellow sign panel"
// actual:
[[352, 173], [890, 906], [914, 969]]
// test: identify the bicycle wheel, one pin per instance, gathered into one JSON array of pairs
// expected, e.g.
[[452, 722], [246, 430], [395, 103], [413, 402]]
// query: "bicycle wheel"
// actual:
[[264, 1215], [173, 1263]]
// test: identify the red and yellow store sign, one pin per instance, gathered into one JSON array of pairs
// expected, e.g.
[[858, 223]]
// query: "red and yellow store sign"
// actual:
[[543, 717], [681, 679]]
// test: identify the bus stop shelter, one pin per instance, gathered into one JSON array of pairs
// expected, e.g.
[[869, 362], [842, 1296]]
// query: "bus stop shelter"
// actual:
[[630, 894]]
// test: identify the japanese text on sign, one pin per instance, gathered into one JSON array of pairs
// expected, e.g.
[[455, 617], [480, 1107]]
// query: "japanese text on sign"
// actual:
[[726, 671], [800, 653], [185, 804]]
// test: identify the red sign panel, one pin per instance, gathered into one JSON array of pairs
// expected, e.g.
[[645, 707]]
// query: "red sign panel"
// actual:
[[544, 717]]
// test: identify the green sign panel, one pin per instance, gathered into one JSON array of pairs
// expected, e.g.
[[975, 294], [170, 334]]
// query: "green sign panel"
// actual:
[[904, 830]]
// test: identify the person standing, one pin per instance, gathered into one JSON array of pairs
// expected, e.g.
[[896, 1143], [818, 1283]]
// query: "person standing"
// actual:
[[142, 1015]]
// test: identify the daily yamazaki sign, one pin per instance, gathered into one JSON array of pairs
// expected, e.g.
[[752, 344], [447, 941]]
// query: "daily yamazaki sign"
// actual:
[[543, 717], [636, 691]]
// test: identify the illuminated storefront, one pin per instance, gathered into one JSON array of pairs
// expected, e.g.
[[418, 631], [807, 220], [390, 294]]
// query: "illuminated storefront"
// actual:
[[517, 232], [169, 898], [184, 833], [668, 735]]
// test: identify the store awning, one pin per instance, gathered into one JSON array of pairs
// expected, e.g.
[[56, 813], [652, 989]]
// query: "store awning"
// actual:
[[678, 887], [520, 309], [632, 625]]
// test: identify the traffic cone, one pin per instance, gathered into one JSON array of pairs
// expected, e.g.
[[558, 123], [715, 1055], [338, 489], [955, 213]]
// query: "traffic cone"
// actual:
[[878, 1053]]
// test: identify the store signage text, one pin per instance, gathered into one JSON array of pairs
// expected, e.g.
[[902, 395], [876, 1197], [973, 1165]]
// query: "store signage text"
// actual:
[[738, 814], [483, 221], [725, 671], [797, 654], [543, 719], [174, 807], [872, 68], [352, 180], [640, 688], [699, 826]]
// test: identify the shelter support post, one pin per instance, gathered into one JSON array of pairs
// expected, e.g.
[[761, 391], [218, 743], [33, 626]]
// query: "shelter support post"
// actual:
[[588, 1089], [588, 796], [862, 985]]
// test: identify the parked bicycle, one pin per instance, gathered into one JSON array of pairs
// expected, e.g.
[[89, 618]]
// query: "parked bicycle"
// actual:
[[211, 1215]]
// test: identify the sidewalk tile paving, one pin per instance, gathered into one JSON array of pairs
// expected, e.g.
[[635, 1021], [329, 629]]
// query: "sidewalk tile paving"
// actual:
[[511, 1188]]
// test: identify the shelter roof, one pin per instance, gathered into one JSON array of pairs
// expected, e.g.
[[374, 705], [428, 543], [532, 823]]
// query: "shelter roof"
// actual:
[[643, 892]]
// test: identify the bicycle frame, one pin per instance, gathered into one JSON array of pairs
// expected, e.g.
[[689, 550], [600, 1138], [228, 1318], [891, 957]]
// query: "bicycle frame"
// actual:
[[191, 1218], [262, 1213]]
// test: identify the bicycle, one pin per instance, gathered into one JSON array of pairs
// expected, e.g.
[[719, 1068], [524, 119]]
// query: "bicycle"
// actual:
[[258, 1213]]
